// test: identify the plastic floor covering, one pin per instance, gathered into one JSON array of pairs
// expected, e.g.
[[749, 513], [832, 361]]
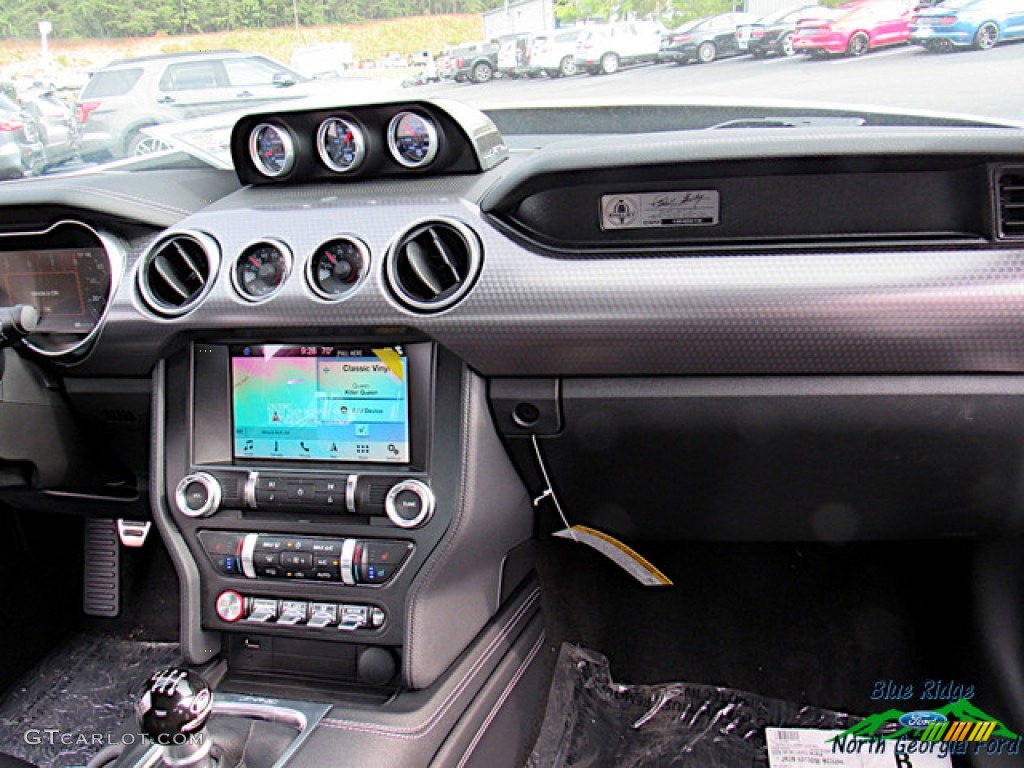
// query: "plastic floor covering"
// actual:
[[592, 721], [72, 703]]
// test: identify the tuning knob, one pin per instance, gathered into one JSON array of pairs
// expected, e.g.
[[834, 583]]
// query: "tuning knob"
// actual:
[[409, 504]]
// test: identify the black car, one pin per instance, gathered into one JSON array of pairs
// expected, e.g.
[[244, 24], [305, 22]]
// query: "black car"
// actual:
[[772, 34], [714, 38]]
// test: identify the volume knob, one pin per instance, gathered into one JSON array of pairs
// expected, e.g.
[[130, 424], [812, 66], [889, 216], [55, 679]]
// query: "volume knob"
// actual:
[[198, 495]]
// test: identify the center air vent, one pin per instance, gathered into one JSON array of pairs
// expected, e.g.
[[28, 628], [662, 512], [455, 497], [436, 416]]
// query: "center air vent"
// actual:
[[177, 272], [1010, 191], [433, 265]]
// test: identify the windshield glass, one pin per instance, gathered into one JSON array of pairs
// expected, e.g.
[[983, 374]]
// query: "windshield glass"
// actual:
[[89, 82]]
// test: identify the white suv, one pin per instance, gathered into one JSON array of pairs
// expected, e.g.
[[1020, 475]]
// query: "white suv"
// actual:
[[602, 50], [555, 55]]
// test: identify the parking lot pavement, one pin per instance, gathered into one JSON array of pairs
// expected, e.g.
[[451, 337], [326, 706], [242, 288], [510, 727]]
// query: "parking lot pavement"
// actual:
[[980, 83]]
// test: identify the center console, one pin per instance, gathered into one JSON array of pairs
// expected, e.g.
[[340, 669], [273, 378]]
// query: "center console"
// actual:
[[302, 481], [347, 527]]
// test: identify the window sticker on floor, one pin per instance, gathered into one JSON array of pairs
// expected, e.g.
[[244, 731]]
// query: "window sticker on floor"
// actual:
[[921, 738], [810, 748]]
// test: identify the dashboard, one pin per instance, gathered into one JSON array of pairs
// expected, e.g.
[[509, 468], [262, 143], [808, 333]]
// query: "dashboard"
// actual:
[[786, 286], [340, 375]]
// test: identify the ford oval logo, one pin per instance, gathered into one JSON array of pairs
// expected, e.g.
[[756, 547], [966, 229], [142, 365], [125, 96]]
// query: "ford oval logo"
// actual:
[[921, 719]]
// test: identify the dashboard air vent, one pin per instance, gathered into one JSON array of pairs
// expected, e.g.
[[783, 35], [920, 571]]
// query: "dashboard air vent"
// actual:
[[177, 272], [1010, 191], [433, 265]]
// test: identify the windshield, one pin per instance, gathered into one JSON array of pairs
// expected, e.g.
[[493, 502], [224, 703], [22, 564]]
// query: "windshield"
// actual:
[[108, 82]]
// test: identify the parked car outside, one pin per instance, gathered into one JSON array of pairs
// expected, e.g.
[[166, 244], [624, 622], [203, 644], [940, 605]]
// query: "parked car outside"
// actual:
[[555, 55], [125, 97], [773, 34], [393, 60], [604, 49], [714, 38], [514, 55], [855, 31], [21, 153], [322, 60], [964, 23], [667, 52], [475, 62], [55, 122]]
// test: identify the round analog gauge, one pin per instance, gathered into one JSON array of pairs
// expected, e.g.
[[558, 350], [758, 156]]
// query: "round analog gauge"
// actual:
[[261, 269], [341, 144], [337, 266], [412, 139], [271, 149]]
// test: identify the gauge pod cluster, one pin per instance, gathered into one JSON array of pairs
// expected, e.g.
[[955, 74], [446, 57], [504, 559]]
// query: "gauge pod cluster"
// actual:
[[333, 270], [364, 142]]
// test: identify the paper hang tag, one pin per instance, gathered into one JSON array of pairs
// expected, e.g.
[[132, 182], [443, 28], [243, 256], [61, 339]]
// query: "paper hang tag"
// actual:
[[628, 559]]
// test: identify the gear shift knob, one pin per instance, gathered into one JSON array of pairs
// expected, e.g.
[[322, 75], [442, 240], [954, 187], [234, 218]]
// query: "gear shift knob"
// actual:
[[172, 710], [174, 701]]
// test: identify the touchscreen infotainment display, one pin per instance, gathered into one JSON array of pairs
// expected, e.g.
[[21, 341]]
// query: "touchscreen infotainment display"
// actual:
[[320, 403]]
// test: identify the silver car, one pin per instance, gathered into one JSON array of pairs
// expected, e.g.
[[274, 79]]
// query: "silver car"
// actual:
[[21, 153], [125, 97]]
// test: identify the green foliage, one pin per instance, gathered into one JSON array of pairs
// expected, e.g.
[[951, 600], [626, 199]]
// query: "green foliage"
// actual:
[[670, 12], [143, 18]]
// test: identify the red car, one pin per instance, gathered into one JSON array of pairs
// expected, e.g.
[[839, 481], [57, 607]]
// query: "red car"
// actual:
[[855, 31]]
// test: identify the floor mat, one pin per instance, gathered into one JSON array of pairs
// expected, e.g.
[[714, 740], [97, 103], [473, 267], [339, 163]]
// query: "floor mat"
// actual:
[[798, 622], [73, 702], [592, 721]]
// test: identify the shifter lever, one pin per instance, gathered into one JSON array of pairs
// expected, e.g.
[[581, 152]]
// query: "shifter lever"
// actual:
[[172, 710]]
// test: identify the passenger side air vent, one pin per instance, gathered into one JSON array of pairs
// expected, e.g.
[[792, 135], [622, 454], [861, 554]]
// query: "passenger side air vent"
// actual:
[[177, 272], [432, 266], [1010, 197]]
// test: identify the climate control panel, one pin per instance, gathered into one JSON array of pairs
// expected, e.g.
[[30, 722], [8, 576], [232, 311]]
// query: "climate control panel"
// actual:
[[348, 561]]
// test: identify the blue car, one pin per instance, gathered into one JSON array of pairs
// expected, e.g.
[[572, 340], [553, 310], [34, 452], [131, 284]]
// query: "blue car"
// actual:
[[963, 23]]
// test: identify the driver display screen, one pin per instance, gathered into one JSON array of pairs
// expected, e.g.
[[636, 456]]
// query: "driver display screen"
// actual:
[[320, 403]]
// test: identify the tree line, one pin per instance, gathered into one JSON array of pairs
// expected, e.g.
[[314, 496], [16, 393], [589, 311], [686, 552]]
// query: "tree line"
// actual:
[[671, 12], [142, 18]]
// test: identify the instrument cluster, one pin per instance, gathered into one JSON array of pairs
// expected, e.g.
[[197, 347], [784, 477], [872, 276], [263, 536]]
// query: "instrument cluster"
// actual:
[[66, 273]]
